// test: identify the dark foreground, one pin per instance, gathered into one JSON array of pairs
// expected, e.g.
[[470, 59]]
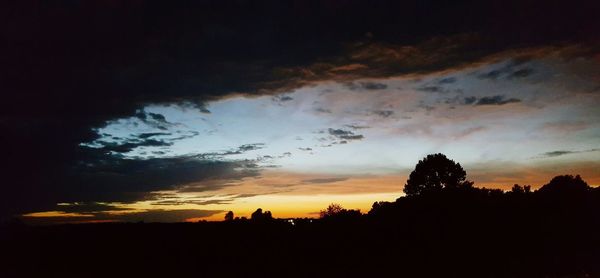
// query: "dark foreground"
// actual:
[[437, 243], [451, 232]]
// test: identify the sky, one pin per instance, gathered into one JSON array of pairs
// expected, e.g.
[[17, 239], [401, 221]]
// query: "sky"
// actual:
[[181, 112]]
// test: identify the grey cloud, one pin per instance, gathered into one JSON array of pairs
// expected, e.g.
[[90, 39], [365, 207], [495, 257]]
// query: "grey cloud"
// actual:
[[564, 152], [521, 73], [496, 100], [366, 86], [470, 100], [383, 113], [323, 180], [193, 202], [87, 207], [344, 134], [510, 70], [152, 134], [281, 98], [155, 120], [154, 215], [242, 149], [322, 110], [493, 74], [109, 178], [352, 126], [131, 144], [373, 86], [488, 100], [160, 215], [447, 80], [431, 89]]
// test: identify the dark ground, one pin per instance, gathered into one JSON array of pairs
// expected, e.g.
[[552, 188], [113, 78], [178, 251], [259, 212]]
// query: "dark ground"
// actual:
[[480, 233]]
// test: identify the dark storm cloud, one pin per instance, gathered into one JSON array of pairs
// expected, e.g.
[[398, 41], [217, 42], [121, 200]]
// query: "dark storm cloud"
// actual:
[[71, 66], [109, 178]]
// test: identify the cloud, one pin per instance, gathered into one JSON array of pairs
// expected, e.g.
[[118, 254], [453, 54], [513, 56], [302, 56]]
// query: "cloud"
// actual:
[[323, 180], [383, 113], [490, 100], [193, 202], [88, 207], [241, 149], [564, 152], [447, 80], [152, 134], [431, 89], [322, 110], [109, 178], [129, 145], [282, 98], [61, 93], [510, 70], [369, 86], [496, 100], [153, 119], [521, 73], [153, 215], [354, 126], [565, 126], [344, 134]]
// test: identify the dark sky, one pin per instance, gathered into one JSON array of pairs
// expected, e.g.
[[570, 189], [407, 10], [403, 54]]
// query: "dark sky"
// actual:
[[70, 67]]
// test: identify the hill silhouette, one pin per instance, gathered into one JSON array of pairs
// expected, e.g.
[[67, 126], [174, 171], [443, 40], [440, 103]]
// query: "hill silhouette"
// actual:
[[444, 227]]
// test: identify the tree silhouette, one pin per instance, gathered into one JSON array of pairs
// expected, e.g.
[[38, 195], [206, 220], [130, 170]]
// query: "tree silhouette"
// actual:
[[331, 210], [565, 187], [257, 215], [434, 173], [229, 216]]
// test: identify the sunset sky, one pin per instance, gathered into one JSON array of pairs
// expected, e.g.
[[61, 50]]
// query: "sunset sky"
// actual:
[[184, 115]]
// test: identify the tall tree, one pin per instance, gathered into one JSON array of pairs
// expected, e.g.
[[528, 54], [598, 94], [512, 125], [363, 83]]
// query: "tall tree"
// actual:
[[434, 173]]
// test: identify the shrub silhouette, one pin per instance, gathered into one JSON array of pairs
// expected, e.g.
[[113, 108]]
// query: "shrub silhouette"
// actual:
[[434, 173]]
